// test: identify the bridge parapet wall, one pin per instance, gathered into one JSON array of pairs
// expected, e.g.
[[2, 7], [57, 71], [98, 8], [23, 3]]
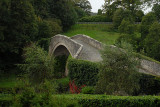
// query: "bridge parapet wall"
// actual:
[[89, 40], [150, 67], [73, 47]]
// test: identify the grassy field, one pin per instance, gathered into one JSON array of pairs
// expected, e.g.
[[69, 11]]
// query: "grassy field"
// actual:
[[101, 32], [8, 81]]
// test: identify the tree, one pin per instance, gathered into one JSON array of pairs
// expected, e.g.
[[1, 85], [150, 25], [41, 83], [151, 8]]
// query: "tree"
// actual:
[[131, 5], [126, 27], [99, 12], [138, 15], [152, 41], [80, 12], [41, 8], [121, 14], [85, 5], [118, 17], [147, 20], [19, 27], [64, 11], [38, 65], [110, 8], [156, 10], [118, 72]]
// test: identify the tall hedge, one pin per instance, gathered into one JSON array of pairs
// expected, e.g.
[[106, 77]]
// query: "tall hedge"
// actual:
[[83, 72], [97, 18]]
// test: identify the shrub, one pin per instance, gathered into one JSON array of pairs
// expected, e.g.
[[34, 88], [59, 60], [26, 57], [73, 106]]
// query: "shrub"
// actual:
[[147, 20], [97, 18], [121, 14], [88, 90], [133, 39], [149, 85], [83, 72], [126, 27], [115, 101], [117, 17], [38, 64], [47, 29], [118, 71], [152, 41], [63, 85]]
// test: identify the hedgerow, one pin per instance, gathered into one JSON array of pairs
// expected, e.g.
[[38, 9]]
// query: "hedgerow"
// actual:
[[97, 18], [83, 72]]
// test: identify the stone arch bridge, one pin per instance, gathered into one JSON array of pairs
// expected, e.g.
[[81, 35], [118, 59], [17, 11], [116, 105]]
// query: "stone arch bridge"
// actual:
[[79, 47], [86, 48]]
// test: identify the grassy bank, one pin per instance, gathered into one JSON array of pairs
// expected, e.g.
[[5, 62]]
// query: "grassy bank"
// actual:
[[101, 32]]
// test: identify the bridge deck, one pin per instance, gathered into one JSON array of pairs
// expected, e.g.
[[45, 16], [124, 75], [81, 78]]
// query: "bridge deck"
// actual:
[[88, 52]]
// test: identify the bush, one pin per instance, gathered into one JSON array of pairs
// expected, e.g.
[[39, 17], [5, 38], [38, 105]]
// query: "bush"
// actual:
[[97, 18], [118, 71], [88, 90], [112, 101], [38, 64], [152, 41], [147, 20], [133, 39], [126, 27], [104, 101], [121, 14], [63, 85], [83, 72], [149, 85], [47, 29], [117, 17]]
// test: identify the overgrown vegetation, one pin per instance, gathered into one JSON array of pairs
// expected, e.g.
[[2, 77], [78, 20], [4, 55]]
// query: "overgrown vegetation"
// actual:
[[118, 72], [83, 72], [25, 31]]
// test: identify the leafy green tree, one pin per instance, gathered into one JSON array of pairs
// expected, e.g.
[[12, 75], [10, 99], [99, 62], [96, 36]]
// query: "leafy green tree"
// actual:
[[38, 65], [85, 5], [147, 20], [64, 11], [110, 8], [156, 9], [41, 8], [118, 17], [131, 5], [99, 12], [138, 15], [80, 12], [152, 41], [121, 14], [118, 72], [18, 27], [126, 27]]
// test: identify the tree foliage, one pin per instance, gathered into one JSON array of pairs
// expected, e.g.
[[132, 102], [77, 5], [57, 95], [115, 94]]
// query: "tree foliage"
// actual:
[[156, 9], [118, 72], [85, 5], [152, 41], [25, 21], [38, 65]]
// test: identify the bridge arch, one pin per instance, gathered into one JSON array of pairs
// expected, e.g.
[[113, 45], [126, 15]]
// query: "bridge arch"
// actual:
[[63, 45]]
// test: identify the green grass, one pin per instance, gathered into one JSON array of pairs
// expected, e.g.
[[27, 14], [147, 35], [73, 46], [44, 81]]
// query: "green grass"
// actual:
[[101, 32], [8, 80]]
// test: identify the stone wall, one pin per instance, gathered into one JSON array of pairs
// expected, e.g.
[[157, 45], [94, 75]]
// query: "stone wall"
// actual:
[[150, 67], [89, 40]]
